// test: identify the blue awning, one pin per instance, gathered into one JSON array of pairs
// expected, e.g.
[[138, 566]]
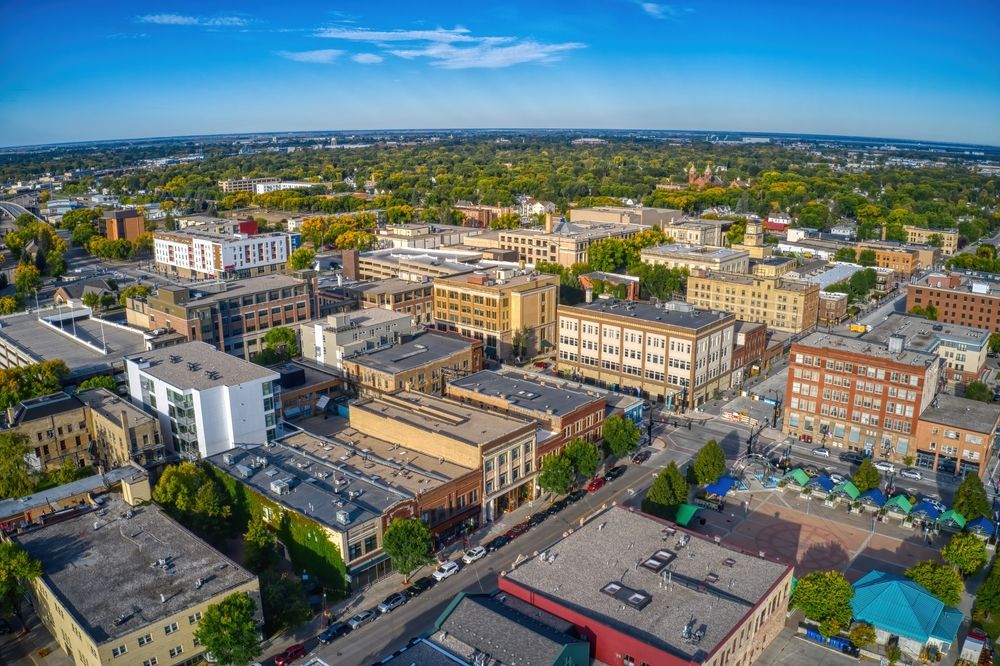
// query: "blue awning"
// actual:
[[981, 525], [922, 508], [874, 496], [825, 483], [721, 487]]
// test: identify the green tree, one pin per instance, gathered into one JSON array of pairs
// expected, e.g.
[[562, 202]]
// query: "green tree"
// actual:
[[970, 498], [30, 381], [988, 594], [26, 278], [824, 596], [848, 254], [407, 542], [193, 497], [283, 340], [8, 304], [669, 490], [17, 568], [284, 601], [228, 630], [15, 473], [966, 552], [977, 390], [862, 634], [994, 342], [831, 626], [584, 456], [621, 435], [935, 240], [867, 257], [302, 259], [556, 474], [69, 472], [108, 300], [133, 291], [867, 477], [91, 299], [519, 342], [940, 580], [709, 464], [56, 263], [82, 234], [506, 221], [258, 542]]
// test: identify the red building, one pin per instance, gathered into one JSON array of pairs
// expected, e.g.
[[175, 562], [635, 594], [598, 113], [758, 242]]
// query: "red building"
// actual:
[[748, 354]]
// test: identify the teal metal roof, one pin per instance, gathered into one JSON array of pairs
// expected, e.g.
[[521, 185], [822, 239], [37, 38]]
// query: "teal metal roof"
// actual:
[[900, 606]]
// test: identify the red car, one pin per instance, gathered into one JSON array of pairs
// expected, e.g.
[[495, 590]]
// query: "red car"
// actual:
[[517, 530], [596, 484], [297, 651]]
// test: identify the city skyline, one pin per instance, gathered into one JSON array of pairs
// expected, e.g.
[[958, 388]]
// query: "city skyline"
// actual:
[[116, 72]]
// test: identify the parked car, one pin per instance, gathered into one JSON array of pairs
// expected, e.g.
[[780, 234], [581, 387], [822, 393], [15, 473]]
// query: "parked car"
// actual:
[[596, 484], [576, 495], [811, 471], [837, 478], [852, 457], [537, 519], [641, 457], [474, 554], [614, 472], [333, 632], [419, 586], [5, 627], [446, 570], [821, 451], [361, 619], [392, 602], [884, 466], [936, 503], [911, 473], [297, 651], [497, 543]]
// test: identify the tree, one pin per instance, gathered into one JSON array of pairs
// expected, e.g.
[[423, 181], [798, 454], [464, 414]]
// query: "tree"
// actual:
[[91, 299], [935, 240], [848, 254], [519, 342], [193, 497], [831, 626], [282, 340], [302, 259], [994, 342], [82, 234], [867, 257], [108, 300], [228, 630], [24, 382], [669, 490], [26, 278], [284, 600], [966, 552], [862, 634], [970, 498], [584, 456], [17, 568], [977, 390], [621, 435], [867, 477], [15, 473], [133, 291], [8, 305], [940, 580], [258, 543], [556, 474], [69, 472], [824, 596], [407, 542], [709, 464], [506, 221], [988, 594]]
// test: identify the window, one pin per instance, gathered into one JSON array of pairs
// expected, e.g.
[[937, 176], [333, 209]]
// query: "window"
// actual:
[[149, 662], [170, 628], [176, 651], [118, 651], [371, 544], [194, 618], [145, 640]]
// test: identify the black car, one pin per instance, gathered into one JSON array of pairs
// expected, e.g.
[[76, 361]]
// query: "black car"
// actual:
[[576, 495], [334, 631], [5, 627], [537, 519], [497, 543], [420, 586], [851, 457], [614, 473], [641, 457]]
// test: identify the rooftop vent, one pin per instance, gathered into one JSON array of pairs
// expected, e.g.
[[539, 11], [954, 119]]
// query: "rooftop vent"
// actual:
[[633, 598], [658, 560], [174, 358]]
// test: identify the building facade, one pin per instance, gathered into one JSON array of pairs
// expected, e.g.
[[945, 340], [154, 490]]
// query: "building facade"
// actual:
[[695, 257], [243, 184], [670, 352], [782, 304], [121, 433], [969, 299], [204, 255], [512, 311], [346, 334], [923, 236], [415, 298], [832, 308], [696, 232], [127, 224], [957, 436], [423, 236], [647, 217]]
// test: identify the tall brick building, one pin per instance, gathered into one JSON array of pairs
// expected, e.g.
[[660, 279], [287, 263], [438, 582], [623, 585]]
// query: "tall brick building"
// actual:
[[968, 298]]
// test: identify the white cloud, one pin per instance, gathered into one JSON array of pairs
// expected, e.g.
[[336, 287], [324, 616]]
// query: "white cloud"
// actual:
[[455, 48], [662, 11], [203, 21], [367, 58], [319, 56]]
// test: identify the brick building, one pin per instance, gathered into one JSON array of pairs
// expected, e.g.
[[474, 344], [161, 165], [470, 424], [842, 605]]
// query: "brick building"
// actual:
[[970, 299], [748, 352], [955, 435], [127, 224]]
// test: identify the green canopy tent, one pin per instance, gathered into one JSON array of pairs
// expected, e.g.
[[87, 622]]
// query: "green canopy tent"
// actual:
[[845, 489], [796, 476], [898, 505], [952, 518], [685, 514]]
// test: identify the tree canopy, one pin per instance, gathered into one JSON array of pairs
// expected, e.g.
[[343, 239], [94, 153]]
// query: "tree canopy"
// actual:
[[966, 552], [100, 381], [867, 477], [621, 435], [15, 473], [940, 580], [669, 490], [407, 542], [583, 455], [228, 630], [709, 464], [978, 390], [301, 259], [17, 569], [970, 499], [823, 596], [30, 381], [192, 496], [556, 474]]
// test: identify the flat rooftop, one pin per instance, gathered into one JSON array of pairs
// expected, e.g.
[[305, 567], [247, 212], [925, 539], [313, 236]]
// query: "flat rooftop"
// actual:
[[781, 283], [612, 400], [390, 286], [429, 347], [397, 254], [870, 348], [833, 275], [925, 335], [469, 425], [54, 497], [962, 413], [515, 277], [251, 285], [200, 366], [524, 393], [662, 585], [111, 406], [101, 573], [676, 314], [40, 342], [694, 251]]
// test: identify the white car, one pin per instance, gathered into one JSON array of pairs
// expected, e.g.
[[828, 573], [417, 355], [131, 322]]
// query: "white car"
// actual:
[[446, 570], [474, 554], [911, 474], [884, 466], [837, 478], [822, 452], [936, 504]]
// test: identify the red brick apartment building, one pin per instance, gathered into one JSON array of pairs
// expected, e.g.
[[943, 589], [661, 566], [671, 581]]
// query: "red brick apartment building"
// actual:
[[971, 299]]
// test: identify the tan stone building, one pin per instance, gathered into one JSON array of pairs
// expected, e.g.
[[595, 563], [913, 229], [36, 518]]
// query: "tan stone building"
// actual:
[[501, 307], [422, 235], [697, 257], [647, 217], [696, 232], [922, 236], [956, 436], [671, 352], [904, 260], [424, 364], [415, 298], [172, 577], [122, 432], [410, 264], [56, 428], [782, 304]]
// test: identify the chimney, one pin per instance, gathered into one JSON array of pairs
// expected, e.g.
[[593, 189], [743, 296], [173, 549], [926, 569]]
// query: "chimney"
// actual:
[[349, 260], [548, 223], [589, 294], [883, 231], [124, 418]]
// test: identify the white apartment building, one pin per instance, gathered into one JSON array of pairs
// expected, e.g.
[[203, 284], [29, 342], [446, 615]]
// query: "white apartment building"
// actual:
[[202, 255], [207, 401], [345, 334], [264, 188]]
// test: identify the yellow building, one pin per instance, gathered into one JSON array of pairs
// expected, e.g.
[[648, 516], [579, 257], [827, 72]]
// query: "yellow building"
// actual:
[[904, 260], [123, 433], [922, 236], [753, 241], [694, 257], [783, 304], [667, 351], [130, 584], [513, 311]]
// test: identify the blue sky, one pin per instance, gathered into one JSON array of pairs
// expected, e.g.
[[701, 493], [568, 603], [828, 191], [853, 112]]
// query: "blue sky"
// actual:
[[75, 71]]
